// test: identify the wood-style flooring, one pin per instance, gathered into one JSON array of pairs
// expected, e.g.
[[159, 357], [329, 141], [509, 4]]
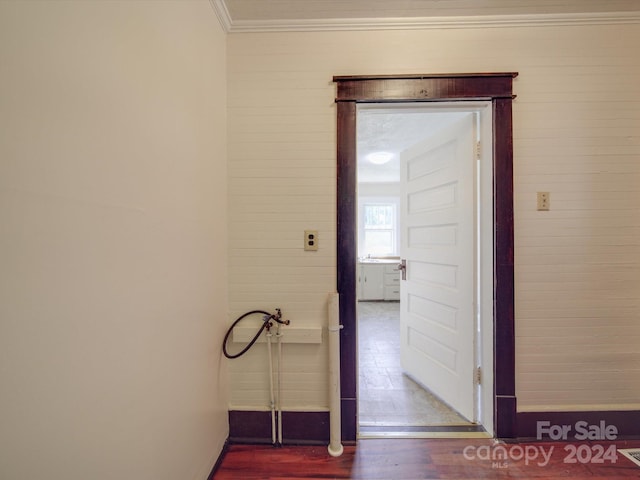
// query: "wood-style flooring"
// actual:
[[386, 396], [412, 459]]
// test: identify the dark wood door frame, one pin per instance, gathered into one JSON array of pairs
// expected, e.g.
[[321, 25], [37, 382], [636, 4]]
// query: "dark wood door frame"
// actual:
[[494, 87]]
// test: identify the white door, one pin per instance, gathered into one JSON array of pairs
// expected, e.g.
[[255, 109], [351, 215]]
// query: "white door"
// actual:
[[438, 238]]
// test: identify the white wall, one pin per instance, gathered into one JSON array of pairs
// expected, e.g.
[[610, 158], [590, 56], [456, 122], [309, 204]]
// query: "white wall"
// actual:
[[576, 134], [113, 291]]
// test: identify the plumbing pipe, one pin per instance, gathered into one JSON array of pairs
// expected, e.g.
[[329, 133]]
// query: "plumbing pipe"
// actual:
[[272, 400], [279, 396], [266, 325], [335, 446]]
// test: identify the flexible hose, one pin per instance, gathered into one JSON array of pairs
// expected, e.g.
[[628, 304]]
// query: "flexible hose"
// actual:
[[265, 321]]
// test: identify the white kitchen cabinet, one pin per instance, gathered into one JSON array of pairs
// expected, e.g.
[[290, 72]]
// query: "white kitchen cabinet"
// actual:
[[378, 281], [371, 281], [391, 282]]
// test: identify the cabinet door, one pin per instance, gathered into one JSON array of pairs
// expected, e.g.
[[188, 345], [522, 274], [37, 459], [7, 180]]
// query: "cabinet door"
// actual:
[[372, 282]]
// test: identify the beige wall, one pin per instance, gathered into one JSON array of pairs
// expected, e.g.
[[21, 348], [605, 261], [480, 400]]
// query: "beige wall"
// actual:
[[576, 135], [113, 291]]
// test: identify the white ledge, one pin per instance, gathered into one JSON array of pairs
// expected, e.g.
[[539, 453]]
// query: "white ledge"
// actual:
[[289, 335]]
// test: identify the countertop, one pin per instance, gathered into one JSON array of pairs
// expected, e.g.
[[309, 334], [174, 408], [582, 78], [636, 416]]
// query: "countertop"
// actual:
[[379, 260]]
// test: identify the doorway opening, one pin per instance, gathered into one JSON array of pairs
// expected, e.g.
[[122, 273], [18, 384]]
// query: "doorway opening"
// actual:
[[495, 88], [424, 198]]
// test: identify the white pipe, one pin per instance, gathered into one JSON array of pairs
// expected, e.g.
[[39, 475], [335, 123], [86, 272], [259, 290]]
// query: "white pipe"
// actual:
[[273, 405], [279, 404], [335, 445]]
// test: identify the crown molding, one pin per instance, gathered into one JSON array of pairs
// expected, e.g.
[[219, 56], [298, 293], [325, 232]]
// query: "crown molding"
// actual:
[[420, 23], [220, 8]]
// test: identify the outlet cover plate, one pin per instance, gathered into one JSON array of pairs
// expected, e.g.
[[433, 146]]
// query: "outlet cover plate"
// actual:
[[311, 240]]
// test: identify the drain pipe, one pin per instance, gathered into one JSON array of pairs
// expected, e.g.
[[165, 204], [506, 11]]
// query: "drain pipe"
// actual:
[[335, 446], [271, 395], [279, 396]]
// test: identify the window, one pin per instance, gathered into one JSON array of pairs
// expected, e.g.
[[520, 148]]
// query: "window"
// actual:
[[378, 227]]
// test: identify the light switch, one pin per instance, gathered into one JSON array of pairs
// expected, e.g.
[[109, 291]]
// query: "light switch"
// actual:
[[311, 240]]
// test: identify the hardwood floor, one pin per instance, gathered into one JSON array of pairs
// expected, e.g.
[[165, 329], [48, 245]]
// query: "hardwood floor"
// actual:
[[412, 459]]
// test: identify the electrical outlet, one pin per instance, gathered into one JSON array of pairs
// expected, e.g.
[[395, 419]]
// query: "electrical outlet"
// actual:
[[544, 201], [311, 240]]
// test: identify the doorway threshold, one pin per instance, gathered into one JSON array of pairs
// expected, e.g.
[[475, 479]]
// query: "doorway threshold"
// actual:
[[428, 431]]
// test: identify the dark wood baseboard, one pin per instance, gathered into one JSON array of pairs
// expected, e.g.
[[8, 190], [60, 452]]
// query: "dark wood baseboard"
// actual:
[[626, 422], [216, 467], [505, 416], [312, 428], [298, 428]]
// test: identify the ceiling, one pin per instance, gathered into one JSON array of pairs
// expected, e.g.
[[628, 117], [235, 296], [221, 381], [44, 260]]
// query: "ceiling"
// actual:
[[381, 128]]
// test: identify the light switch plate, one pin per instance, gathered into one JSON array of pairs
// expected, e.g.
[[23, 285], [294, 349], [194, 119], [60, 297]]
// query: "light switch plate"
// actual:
[[544, 201]]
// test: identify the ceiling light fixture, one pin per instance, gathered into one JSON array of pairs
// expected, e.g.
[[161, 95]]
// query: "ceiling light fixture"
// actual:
[[379, 158]]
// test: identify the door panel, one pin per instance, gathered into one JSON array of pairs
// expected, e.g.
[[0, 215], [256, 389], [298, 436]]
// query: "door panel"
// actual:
[[438, 238]]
